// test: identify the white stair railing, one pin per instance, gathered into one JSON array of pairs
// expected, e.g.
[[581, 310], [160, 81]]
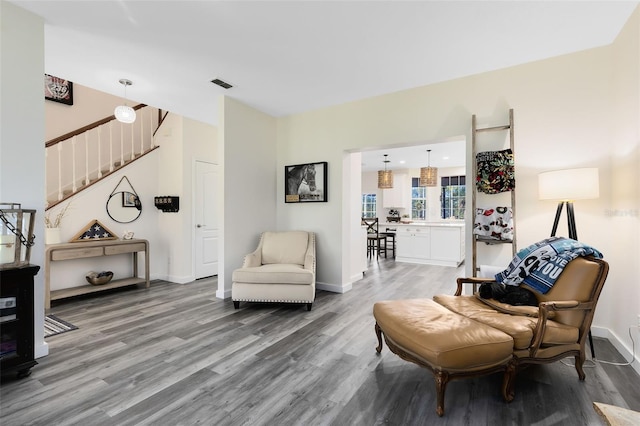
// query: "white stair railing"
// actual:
[[63, 170]]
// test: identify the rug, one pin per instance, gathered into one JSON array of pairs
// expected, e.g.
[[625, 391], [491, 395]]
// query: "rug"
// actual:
[[54, 325]]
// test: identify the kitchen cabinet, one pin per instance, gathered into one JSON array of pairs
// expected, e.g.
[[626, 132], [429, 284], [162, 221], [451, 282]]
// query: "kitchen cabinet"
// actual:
[[413, 244], [398, 197], [447, 244], [430, 244]]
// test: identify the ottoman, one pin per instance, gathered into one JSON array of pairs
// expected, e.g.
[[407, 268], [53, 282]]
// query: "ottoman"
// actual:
[[450, 345]]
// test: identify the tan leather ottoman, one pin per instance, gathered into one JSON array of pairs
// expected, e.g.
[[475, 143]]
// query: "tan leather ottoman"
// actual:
[[450, 345]]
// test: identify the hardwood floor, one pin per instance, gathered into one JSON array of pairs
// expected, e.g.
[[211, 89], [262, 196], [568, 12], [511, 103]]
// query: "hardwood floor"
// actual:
[[176, 355]]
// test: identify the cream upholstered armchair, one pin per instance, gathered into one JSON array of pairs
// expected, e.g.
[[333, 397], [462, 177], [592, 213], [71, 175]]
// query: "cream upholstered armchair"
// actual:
[[281, 269]]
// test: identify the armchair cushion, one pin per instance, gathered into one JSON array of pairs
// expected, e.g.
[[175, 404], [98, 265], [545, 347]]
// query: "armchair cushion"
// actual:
[[284, 247], [285, 273], [520, 328]]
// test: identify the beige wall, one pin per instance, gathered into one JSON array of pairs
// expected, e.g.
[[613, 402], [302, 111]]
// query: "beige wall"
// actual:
[[565, 117], [89, 105], [621, 296], [249, 168]]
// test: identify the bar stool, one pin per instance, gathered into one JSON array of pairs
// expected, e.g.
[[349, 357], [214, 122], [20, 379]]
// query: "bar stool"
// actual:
[[390, 241], [374, 237]]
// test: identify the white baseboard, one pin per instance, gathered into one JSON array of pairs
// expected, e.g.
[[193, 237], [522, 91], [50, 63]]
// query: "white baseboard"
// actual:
[[176, 279], [334, 288], [41, 349], [619, 345], [356, 277], [226, 294]]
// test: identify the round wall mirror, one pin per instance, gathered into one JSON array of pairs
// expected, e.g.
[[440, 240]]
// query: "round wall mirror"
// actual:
[[124, 207]]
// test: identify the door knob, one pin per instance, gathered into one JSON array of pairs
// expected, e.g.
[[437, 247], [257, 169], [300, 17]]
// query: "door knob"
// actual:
[[199, 226]]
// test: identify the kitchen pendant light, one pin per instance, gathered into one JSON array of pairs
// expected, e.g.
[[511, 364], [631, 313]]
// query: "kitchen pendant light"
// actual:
[[428, 175], [385, 177], [124, 113]]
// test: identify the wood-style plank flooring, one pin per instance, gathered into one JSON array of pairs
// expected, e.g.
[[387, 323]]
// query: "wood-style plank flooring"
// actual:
[[176, 355]]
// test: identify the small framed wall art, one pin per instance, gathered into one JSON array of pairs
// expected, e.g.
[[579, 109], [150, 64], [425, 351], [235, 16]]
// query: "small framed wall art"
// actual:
[[304, 183], [58, 90]]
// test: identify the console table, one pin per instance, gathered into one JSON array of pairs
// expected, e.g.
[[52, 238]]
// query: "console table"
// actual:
[[79, 250]]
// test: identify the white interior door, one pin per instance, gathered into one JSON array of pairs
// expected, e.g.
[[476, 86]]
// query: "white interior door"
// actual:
[[206, 220]]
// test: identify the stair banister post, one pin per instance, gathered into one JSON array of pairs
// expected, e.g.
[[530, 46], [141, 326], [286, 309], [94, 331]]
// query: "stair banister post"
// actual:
[[141, 132], [59, 171], [86, 158], [73, 165], [99, 152], [111, 146], [152, 144], [133, 150]]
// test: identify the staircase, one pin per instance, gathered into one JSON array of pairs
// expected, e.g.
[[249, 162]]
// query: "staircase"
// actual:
[[78, 159]]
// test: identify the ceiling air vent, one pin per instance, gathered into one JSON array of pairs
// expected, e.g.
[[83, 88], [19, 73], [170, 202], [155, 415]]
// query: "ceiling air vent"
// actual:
[[221, 83]]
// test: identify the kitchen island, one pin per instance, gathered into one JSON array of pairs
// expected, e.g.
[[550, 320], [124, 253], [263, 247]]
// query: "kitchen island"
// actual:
[[429, 243]]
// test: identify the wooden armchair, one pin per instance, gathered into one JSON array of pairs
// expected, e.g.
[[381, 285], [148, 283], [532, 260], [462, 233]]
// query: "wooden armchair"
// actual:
[[458, 336], [557, 328]]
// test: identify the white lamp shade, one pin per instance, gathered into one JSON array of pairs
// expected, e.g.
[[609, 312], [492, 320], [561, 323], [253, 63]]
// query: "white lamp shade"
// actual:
[[568, 185], [125, 114]]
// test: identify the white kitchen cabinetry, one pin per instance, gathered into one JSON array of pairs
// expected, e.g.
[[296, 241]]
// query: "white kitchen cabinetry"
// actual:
[[447, 245], [430, 244], [398, 197], [413, 244]]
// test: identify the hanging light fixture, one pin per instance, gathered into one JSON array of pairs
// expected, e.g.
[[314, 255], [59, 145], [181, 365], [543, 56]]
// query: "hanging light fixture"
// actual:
[[385, 177], [428, 175], [124, 113]]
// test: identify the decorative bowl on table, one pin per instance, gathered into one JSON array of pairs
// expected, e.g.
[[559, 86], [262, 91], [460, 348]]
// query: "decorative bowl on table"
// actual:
[[99, 278]]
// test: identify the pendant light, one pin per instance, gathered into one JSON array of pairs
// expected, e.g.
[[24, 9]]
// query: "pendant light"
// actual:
[[124, 113], [385, 177], [428, 175]]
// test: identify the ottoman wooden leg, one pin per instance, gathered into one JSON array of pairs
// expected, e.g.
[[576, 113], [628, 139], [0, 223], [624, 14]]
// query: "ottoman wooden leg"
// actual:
[[379, 334], [442, 377], [508, 382]]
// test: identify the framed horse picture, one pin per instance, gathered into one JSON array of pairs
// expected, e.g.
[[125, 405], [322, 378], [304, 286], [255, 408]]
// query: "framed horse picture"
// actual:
[[305, 183]]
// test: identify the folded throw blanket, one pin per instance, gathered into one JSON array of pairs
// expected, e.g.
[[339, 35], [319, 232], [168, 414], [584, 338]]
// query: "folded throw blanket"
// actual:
[[495, 223], [540, 264]]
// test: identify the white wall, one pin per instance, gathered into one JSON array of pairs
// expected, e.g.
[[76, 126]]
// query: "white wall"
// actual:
[[621, 295], [22, 132], [90, 204], [249, 167], [564, 118], [165, 171]]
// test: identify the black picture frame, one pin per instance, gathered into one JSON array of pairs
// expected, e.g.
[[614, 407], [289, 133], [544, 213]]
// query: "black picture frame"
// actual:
[[128, 199], [57, 89], [306, 183]]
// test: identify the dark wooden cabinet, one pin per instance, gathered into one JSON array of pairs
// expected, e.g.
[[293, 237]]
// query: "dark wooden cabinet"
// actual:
[[16, 320]]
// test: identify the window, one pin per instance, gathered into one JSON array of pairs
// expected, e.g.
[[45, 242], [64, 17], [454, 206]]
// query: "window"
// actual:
[[418, 199], [368, 205], [453, 196]]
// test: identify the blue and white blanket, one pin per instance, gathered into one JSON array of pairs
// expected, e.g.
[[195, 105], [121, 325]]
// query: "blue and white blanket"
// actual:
[[540, 264]]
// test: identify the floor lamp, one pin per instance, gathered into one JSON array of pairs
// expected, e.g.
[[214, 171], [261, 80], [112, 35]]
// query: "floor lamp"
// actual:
[[567, 186]]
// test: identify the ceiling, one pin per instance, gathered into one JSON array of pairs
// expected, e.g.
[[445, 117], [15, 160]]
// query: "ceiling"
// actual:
[[286, 57], [450, 153]]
